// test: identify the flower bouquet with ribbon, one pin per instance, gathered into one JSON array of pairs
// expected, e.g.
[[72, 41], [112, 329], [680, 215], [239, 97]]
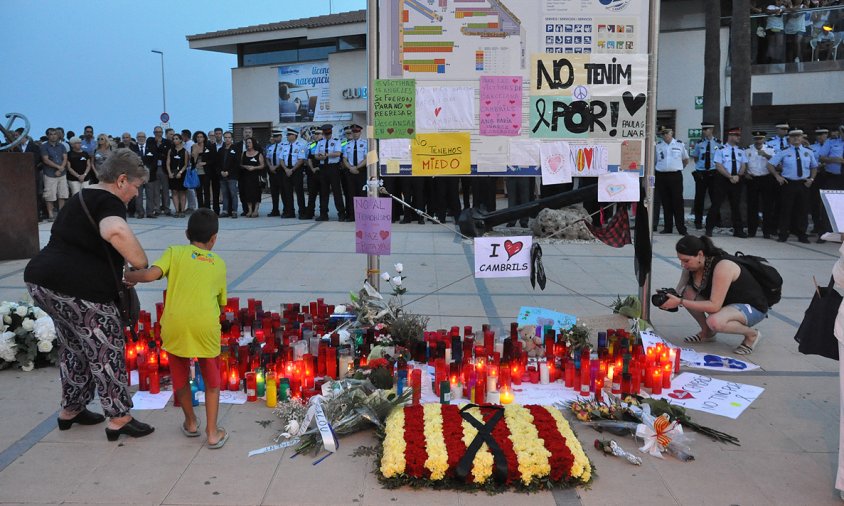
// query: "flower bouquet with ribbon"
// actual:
[[490, 447], [344, 407]]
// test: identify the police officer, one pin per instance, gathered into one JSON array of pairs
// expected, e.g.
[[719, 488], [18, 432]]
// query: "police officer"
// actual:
[[671, 157], [761, 187], [272, 154], [731, 163], [831, 155], [819, 219], [794, 168], [312, 174], [292, 158], [780, 140], [704, 174], [354, 163], [328, 154]]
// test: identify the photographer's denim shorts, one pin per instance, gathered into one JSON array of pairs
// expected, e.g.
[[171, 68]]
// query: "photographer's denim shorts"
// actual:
[[752, 314]]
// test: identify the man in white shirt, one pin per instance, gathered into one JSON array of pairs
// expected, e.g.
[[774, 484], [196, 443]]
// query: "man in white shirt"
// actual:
[[671, 157], [761, 187]]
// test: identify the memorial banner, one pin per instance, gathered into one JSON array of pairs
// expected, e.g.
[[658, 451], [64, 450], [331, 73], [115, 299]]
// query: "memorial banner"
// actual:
[[373, 225], [710, 395], [500, 106]]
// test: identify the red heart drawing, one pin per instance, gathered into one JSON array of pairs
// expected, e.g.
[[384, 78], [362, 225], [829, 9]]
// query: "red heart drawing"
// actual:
[[515, 125], [512, 101], [513, 114], [555, 162], [488, 114], [410, 130], [515, 81], [408, 105], [633, 166], [681, 395], [384, 234], [512, 248], [391, 130], [437, 111], [588, 153], [359, 234], [487, 102]]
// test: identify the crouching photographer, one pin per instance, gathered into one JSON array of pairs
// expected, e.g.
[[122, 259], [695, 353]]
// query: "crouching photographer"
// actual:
[[720, 294]]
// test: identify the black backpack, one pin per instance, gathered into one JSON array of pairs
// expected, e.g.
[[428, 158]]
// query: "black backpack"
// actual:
[[764, 274]]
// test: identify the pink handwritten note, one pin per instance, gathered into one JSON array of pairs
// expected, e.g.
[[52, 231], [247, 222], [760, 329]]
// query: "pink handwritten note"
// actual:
[[501, 105], [373, 225]]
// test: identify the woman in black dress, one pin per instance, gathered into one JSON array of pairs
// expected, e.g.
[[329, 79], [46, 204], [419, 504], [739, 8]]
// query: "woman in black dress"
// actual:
[[200, 155], [177, 165], [251, 162]]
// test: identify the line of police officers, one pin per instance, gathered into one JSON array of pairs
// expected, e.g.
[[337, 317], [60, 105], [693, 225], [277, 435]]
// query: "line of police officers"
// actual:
[[781, 176]]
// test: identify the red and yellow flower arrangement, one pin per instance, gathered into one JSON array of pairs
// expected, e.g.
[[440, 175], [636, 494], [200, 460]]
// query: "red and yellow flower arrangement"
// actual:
[[441, 445]]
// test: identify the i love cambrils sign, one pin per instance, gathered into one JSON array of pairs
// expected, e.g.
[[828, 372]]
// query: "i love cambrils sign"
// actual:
[[503, 257]]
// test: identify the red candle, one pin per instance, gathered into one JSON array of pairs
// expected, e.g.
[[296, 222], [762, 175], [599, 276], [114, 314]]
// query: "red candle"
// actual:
[[599, 386], [331, 362], [131, 358], [533, 375], [666, 376], [677, 361], [154, 383], [656, 381], [516, 373], [585, 378], [165, 361], [636, 381], [234, 380], [489, 343], [568, 367], [251, 387], [616, 382]]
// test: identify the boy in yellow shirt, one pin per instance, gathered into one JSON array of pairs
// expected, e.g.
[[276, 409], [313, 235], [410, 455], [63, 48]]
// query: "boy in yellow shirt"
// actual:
[[190, 325]]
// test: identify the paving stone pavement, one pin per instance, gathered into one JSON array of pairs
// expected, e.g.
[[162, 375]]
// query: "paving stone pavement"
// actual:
[[789, 435]]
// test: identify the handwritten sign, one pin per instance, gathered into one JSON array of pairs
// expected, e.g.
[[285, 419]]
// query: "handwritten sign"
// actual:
[[594, 95], [618, 187], [541, 317], [588, 161], [555, 162], [373, 225], [710, 395], [438, 154], [394, 108], [503, 257], [500, 105], [445, 108]]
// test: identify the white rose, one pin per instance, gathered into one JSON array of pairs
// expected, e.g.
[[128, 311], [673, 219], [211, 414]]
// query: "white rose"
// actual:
[[7, 319], [5, 308], [339, 309], [27, 367], [45, 346], [385, 276], [22, 310], [396, 281], [399, 267], [28, 324], [38, 313]]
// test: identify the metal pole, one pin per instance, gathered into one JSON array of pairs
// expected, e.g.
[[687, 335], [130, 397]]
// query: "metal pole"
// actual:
[[163, 89], [650, 139], [373, 262]]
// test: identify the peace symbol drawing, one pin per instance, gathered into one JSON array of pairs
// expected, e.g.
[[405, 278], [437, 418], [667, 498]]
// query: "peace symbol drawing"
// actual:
[[580, 93]]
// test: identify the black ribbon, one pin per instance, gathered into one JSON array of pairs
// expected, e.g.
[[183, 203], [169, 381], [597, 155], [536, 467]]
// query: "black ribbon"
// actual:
[[464, 467], [537, 270]]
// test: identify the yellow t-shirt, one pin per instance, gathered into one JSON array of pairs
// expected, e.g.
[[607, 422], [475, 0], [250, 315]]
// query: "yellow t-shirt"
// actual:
[[196, 288]]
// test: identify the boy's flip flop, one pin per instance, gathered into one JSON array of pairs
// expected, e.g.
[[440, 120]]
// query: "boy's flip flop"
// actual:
[[188, 433], [219, 444]]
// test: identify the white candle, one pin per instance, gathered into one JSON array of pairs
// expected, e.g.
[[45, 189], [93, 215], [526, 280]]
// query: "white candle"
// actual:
[[544, 377], [492, 383], [456, 391], [448, 359], [345, 363]]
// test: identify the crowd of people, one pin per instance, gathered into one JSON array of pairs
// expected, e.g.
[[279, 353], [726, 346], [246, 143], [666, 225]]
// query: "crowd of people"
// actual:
[[303, 170], [794, 31], [780, 176]]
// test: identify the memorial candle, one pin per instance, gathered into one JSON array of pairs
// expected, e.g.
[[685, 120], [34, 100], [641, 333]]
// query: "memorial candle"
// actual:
[[666, 375], [492, 379], [656, 381], [544, 374], [154, 382], [331, 368], [260, 384], [599, 389], [506, 396], [272, 394], [676, 361], [251, 387], [585, 378], [234, 380]]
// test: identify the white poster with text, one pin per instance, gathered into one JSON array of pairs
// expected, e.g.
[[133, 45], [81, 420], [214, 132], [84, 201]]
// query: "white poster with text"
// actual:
[[503, 257]]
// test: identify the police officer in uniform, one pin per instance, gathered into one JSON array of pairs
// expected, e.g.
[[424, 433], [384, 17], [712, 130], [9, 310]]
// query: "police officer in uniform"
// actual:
[[328, 152], [780, 140], [704, 174], [354, 164], [671, 157], [794, 168], [272, 157], [312, 174], [761, 187], [819, 220], [731, 163], [293, 155]]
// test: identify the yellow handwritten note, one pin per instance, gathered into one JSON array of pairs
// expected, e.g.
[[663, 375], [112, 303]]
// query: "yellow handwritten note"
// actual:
[[438, 154]]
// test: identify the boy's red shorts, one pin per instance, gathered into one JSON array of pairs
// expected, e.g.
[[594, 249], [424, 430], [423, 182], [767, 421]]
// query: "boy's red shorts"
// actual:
[[180, 371]]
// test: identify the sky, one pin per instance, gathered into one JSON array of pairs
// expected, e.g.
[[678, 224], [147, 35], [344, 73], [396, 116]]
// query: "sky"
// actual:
[[71, 64]]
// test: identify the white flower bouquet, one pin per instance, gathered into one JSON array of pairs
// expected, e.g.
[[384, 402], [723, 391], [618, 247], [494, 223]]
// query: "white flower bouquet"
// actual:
[[27, 336]]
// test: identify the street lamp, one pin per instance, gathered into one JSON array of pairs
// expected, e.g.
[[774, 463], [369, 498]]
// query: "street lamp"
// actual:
[[163, 93]]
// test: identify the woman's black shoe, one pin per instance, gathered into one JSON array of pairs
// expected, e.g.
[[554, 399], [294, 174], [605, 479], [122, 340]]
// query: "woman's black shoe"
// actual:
[[132, 428], [85, 417]]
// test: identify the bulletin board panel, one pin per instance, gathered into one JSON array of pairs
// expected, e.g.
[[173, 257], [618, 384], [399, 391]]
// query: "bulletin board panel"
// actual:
[[514, 74]]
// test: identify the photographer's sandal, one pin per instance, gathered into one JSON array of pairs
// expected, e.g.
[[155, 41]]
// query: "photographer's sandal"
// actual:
[[747, 349], [697, 338]]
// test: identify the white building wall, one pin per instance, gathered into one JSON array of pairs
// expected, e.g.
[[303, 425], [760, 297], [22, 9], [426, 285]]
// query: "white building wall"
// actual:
[[347, 70], [255, 94]]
